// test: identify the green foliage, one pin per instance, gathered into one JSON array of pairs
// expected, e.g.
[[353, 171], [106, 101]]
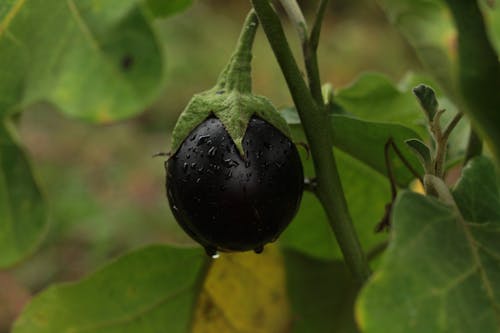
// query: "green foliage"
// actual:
[[23, 213], [375, 98], [361, 163], [327, 285], [427, 99], [422, 152], [426, 25], [149, 290], [163, 8], [479, 70], [365, 140], [98, 61], [366, 192], [453, 280]]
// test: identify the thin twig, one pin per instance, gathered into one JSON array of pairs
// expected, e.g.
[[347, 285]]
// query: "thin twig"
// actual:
[[377, 250], [316, 30], [309, 53], [297, 17], [390, 171], [453, 123], [405, 161]]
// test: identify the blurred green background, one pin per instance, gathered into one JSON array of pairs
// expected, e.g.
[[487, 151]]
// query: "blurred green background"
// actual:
[[106, 192]]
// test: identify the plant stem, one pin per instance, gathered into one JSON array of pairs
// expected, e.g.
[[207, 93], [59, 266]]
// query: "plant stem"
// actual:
[[317, 130], [316, 30], [441, 139], [236, 74], [309, 52]]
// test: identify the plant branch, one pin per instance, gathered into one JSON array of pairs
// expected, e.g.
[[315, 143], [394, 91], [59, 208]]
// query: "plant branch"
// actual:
[[441, 140], [317, 130], [297, 17], [453, 123], [316, 30], [310, 58]]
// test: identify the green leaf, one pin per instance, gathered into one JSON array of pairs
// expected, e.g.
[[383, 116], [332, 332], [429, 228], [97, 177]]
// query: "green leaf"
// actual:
[[492, 14], [365, 140], [422, 152], [479, 70], [163, 8], [150, 290], [94, 60], [427, 99], [375, 98], [23, 213], [453, 282], [427, 26], [361, 164], [367, 192], [322, 294]]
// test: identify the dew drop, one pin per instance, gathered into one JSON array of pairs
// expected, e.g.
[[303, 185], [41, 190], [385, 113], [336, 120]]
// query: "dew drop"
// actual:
[[192, 138], [211, 252], [212, 151], [202, 139], [193, 165], [259, 249], [231, 163], [185, 167]]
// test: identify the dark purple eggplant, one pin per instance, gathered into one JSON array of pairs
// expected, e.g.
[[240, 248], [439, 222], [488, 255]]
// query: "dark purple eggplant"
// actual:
[[229, 202]]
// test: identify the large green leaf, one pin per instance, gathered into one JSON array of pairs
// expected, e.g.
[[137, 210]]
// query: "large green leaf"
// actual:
[[493, 18], [373, 96], [362, 170], [95, 60], [479, 71], [376, 98], [367, 192], [365, 140], [427, 26], [150, 290], [23, 213], [322, 294], [441, 272]]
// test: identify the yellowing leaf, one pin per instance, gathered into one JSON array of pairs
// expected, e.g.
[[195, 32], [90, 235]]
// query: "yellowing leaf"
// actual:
[[244, 292]]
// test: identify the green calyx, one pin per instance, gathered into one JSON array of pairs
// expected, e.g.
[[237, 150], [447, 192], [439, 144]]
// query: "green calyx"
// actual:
[[231, 99]]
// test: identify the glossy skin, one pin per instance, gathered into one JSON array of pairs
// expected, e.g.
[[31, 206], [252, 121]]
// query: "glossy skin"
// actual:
[[228, 203]]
